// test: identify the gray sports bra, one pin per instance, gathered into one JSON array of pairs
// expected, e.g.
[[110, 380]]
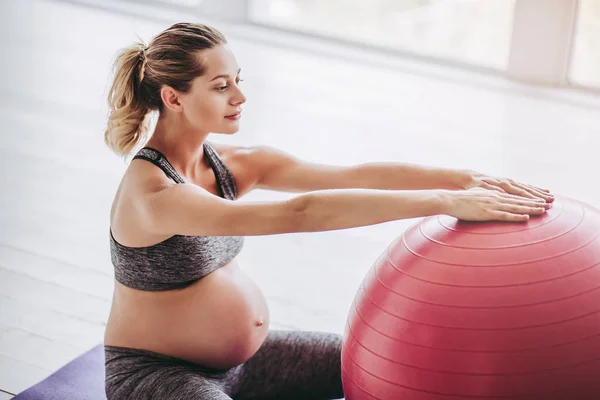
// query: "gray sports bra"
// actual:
[[178, 261]]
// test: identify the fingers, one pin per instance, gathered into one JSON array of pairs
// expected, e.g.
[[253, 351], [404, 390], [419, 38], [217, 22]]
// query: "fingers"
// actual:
[[510, 207], [506, 216], [546, 191], [507, 186], [531, 190], [513, 199], [488, 186], [549, 197], [518, 189], [490, 205], [522, 209]]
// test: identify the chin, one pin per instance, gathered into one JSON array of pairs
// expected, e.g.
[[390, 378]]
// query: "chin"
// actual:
[[227, 130]]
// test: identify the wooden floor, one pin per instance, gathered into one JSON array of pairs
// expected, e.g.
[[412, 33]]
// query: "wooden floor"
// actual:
[[57, 178]]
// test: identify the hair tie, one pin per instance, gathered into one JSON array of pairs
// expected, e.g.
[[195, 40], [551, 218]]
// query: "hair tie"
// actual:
[[142, 47]]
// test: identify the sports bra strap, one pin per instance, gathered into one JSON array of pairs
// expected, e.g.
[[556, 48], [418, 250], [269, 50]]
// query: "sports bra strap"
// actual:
[[225, 180], [157, 158]]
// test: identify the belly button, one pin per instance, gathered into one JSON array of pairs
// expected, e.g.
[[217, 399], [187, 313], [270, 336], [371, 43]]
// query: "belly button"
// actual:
[[259, 322]]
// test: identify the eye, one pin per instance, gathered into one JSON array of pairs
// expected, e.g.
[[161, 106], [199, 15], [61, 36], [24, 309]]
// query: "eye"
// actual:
[[222, 88]]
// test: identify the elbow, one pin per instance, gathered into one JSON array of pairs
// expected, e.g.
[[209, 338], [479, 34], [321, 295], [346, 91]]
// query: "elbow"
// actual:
[[299, 214], [312, 214]]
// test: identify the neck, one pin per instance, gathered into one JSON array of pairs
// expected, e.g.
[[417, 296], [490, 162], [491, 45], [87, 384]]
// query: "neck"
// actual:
[[182, 145]]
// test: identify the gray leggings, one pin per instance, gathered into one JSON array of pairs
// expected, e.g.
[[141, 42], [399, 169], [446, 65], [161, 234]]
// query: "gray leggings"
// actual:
[[289, 365]]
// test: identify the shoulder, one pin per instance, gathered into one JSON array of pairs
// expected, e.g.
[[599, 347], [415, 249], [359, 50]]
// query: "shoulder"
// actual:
[[142, 178], [246, 163], [235, 153], [238, 160], [254, 160], [250, 156]]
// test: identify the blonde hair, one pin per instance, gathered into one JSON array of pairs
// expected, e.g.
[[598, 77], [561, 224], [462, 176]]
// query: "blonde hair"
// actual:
[[141, 71]]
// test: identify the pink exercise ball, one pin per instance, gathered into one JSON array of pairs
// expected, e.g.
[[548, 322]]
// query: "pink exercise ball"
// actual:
[[458, 310]]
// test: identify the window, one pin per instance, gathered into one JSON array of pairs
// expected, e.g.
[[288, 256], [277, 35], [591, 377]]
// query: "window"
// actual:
[[470, 31], [585, 62]]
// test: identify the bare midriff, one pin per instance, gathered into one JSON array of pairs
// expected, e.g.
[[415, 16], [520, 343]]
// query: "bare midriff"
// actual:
[[219, 321]]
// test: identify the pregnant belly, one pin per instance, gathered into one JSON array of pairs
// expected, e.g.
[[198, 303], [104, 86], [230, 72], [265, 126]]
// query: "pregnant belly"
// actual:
[[220, 321]]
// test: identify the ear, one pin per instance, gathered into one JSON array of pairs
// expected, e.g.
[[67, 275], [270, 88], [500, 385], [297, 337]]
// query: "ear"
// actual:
[[170, 98]]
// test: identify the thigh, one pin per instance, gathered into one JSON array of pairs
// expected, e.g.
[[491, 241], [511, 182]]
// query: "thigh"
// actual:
[[294, 365], [135, 374], [177, 385]]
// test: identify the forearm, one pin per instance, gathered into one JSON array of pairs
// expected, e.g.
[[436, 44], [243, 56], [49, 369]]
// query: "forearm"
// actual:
[[399, 176], [334, 209]]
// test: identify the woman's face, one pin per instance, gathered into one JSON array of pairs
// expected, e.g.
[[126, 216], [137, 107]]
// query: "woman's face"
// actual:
[[214, 102]]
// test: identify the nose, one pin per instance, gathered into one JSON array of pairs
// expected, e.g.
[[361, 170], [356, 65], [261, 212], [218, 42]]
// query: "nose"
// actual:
[[239, 98]]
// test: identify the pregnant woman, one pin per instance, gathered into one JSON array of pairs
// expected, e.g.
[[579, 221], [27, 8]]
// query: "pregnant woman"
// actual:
[[186, 322]]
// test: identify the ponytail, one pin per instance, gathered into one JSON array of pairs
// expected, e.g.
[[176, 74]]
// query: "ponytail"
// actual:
[[128, 119]]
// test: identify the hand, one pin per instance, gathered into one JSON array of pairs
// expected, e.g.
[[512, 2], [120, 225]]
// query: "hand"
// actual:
[[479, 204], [508, 186]]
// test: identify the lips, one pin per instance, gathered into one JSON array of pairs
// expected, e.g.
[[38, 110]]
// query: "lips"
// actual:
[[233, 115]]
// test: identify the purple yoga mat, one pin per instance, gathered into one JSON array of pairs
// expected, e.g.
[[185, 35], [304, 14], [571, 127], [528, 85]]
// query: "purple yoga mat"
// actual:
[[81, 379]]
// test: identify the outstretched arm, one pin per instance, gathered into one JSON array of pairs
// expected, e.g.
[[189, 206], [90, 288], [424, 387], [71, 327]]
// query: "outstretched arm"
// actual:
[[278, 170], [404, 176]]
